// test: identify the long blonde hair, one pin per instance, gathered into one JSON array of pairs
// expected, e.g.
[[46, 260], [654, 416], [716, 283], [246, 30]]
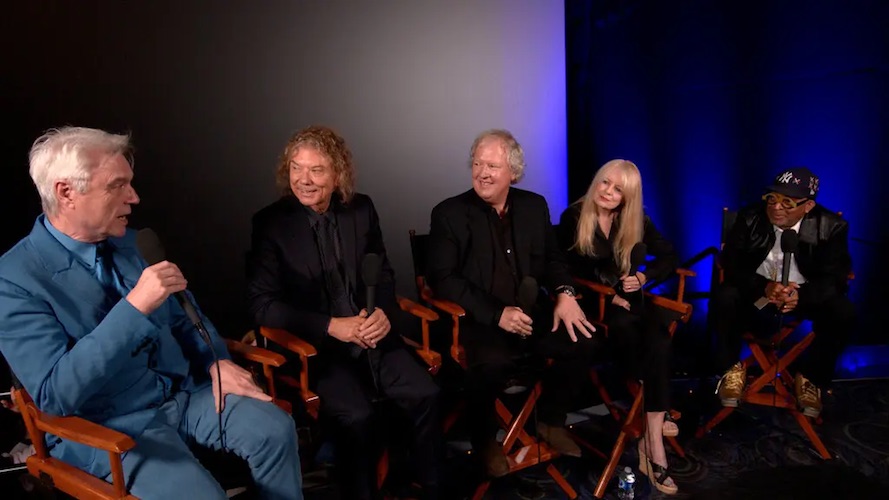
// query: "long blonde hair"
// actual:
[[629, 212]]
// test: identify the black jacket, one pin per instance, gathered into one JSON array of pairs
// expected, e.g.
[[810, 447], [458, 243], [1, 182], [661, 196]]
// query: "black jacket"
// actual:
[[603, 268], [285, 280], [822, 255], [461, 251]]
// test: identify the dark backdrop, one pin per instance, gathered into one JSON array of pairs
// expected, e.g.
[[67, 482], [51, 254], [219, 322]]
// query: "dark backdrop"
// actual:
[[712, 99], [211, 90]]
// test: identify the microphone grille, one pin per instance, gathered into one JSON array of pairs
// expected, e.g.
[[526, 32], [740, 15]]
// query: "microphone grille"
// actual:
[[527, 293], [789, 241], [149, 246], [638, 253]]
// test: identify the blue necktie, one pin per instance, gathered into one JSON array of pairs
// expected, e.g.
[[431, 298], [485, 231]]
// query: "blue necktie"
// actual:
[[108, 275]]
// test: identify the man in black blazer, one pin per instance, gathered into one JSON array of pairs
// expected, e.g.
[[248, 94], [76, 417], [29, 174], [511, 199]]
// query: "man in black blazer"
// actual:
[[753, 261], [305, 276], [484, 246]]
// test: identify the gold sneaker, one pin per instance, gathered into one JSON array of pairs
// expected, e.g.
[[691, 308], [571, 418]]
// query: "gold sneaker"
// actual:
[[808, 397], [731, 385]]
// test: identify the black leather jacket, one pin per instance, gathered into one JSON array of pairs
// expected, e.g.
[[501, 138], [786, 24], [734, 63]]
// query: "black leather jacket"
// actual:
[[822, 255]]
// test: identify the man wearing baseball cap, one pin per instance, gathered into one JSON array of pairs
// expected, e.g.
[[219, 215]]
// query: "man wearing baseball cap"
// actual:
[[752, 292]]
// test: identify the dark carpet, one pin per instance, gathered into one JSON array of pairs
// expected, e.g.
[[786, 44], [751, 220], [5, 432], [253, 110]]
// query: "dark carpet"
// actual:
[[757, 452]]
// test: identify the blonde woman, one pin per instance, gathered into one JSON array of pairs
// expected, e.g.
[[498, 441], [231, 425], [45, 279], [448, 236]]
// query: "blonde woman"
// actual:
[[598, 233]]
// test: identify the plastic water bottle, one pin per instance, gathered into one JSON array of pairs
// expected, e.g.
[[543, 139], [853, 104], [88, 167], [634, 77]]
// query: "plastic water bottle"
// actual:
[[626, 482]]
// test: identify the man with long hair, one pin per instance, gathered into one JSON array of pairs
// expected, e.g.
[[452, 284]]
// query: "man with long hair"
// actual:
[[305, 276]]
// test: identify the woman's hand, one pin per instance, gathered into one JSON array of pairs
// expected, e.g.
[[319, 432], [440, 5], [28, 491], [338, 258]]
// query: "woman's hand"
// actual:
[[620, 302]]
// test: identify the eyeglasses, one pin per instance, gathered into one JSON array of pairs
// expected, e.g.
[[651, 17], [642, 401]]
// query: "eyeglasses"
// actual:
[[788, 203]]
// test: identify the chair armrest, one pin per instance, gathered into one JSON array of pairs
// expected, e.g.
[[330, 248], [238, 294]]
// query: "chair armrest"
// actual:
[[255, 354], [289, 341], [447, 306], [456, 312], [430, 357], [603, 291], [683, 308], [681, 271], [82, 431], [409, 306], [305, 351], [595, 287]]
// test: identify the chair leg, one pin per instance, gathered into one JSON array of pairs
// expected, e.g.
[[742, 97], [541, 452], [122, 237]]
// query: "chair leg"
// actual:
[[616, 452], [382, 469], [481, 490], [618, 448], [561, 481], [723, 413], [813, 437]]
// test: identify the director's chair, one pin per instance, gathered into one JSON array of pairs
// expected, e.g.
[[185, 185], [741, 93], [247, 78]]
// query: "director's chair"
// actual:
[[521, 449]]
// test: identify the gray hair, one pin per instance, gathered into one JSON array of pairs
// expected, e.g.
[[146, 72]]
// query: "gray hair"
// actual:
[[71, 154], [515, 156]]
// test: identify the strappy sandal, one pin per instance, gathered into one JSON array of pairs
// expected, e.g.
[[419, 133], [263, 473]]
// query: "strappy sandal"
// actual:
[[650, 469]]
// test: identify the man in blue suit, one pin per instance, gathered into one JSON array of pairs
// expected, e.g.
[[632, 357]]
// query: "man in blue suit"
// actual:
[[91, 330]]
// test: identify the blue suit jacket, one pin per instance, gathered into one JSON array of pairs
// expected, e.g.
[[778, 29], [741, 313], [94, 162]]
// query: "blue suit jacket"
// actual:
[[79, 352]]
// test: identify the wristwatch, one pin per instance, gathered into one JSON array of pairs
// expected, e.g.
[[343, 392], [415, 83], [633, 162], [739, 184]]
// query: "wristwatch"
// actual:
[[567, 290]]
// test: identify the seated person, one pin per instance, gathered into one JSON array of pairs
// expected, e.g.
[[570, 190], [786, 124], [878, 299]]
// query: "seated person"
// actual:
[[818, 279], [305, 277], [90, 331], [599, 232], [482, 244]]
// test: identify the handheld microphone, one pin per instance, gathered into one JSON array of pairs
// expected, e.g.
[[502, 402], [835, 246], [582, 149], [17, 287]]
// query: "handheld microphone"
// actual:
[[527, 294], [637, 257], [789, 242], [370, 274], [152, 251]]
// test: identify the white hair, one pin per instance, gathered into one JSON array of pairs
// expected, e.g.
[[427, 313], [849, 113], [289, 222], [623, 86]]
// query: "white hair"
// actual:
[[71, 154], [515, 155]]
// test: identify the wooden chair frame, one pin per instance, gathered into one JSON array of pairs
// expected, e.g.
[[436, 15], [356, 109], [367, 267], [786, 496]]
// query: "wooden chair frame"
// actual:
[[632, 420], [304, 350], [77, 483], [521, 449], [774, 387]]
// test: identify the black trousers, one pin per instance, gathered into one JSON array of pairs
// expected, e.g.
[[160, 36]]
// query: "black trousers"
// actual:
[[495, 356], [347, 388], [732, 313], [352, 389], [641, 343]]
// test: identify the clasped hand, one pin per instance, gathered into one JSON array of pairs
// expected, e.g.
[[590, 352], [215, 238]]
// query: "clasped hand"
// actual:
[[785, 298], [514, 320], [362, 330], [633, 283]]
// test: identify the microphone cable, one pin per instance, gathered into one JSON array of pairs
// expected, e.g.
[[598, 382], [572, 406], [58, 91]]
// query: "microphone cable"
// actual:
[[205, 336]]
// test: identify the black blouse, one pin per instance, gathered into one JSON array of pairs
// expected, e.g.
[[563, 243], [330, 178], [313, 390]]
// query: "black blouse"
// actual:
[[603, 268]]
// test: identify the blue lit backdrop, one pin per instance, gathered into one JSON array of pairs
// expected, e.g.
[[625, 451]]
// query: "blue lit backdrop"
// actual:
[[711, 100]]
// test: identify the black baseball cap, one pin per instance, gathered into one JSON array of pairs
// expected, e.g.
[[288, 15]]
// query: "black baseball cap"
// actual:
[[795, 182]]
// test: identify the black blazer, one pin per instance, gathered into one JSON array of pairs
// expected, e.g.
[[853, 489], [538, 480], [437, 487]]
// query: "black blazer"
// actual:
[[285, 282], [603, 268], [461, 251], [822, 255]]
